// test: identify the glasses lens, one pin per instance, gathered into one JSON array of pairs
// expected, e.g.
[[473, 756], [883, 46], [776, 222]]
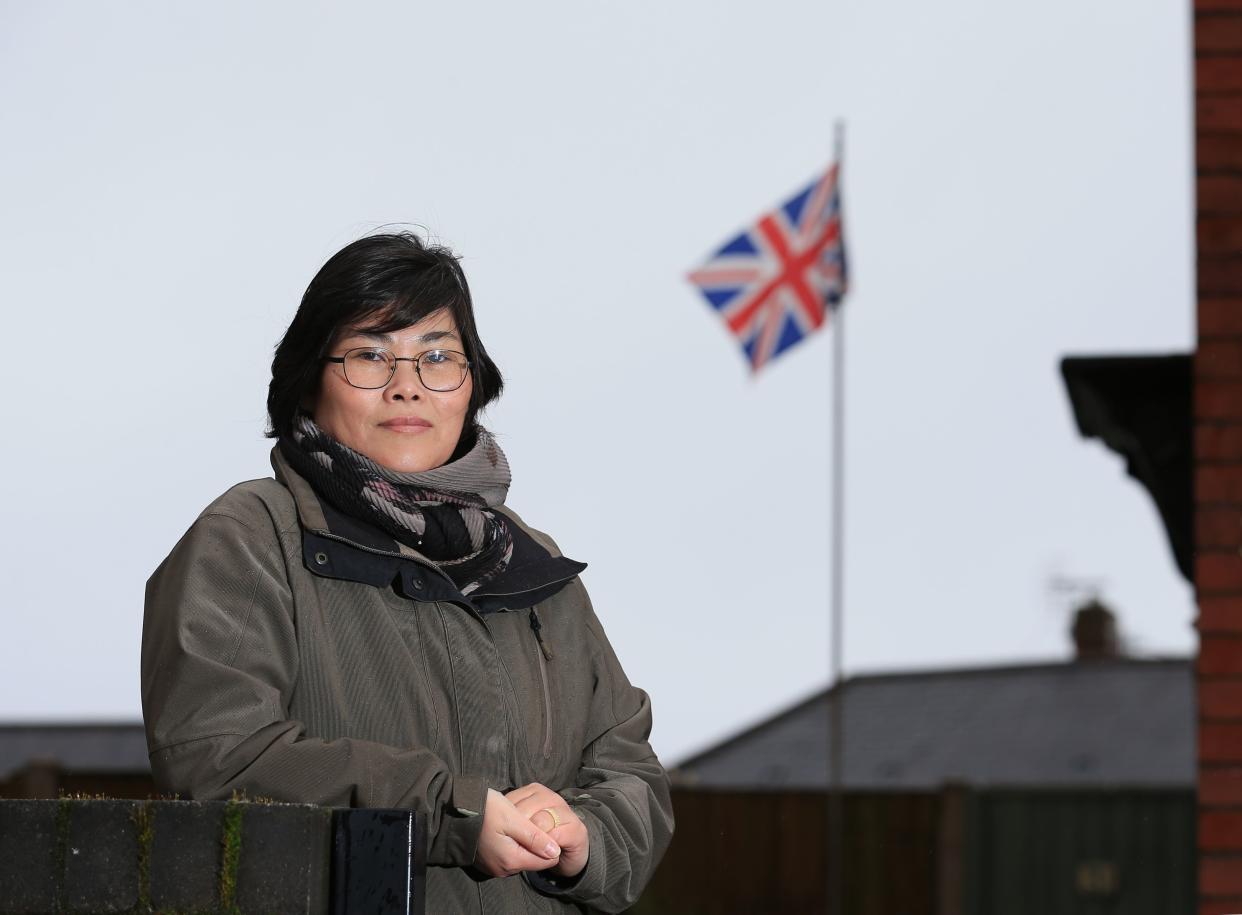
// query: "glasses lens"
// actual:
[[442, 369], [368, 368]]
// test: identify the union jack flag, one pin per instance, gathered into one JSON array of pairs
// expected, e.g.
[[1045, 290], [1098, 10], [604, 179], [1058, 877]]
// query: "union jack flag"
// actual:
[[773, 284]]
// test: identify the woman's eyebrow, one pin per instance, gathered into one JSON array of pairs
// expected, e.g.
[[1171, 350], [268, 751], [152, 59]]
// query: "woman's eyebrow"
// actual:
[[438, 335], [372, 335]]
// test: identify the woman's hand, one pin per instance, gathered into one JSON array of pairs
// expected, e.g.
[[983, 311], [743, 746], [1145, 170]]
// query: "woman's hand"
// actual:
[[534, 801], [510, 842]]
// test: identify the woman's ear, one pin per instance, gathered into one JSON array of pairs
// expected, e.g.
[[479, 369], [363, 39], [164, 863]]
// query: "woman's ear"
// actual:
[[308, 402]]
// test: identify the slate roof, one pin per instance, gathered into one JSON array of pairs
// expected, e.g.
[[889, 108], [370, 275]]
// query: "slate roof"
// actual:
[[93, 747], [1116, 722]]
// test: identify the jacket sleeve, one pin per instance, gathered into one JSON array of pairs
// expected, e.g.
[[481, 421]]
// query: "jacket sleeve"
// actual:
[[622, 791], [219, 665]]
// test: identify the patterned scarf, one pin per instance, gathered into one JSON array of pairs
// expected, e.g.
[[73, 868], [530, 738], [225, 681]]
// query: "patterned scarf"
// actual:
[[444, 513]]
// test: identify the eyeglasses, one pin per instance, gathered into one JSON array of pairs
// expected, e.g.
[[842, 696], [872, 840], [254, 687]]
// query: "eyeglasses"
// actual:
[[373, 367]]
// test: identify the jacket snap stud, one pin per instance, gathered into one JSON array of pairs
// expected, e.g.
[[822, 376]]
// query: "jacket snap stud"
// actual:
[[417, 583], [321, 558]]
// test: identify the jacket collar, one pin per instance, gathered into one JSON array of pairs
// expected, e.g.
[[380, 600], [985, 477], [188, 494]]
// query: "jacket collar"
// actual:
[[337, 545]]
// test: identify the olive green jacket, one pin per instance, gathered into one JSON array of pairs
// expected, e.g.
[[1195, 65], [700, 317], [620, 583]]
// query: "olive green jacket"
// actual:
[[292, 653]]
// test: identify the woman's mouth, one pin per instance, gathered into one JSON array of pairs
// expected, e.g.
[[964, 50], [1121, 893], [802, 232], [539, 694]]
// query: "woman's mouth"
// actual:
[[405, 424]]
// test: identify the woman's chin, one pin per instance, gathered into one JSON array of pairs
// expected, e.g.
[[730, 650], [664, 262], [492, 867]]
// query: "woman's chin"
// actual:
[[405, 461]]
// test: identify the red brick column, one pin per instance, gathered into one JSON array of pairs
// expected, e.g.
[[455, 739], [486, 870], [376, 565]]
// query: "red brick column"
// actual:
[[1218, 450]]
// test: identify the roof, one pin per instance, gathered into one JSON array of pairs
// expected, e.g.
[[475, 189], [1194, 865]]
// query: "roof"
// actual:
[[1115, 722], [90, 747]]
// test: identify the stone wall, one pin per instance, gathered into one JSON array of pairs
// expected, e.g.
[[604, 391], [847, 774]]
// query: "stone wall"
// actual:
[[236, 857]]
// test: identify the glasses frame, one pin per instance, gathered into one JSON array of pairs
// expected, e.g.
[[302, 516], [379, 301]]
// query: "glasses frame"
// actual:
[[393, 359]]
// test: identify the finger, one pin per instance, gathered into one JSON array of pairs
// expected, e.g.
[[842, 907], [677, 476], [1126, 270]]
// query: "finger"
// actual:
[[532, 838], [519, 859], [544, 820], [532, 793], [517, 794], [536, 802], [571, 835], [566, 828]]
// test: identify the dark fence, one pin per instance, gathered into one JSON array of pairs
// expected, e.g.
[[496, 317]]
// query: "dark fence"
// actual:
[[1081, 852], [764, 851], [952, 852], [46, 778], [91, 856]]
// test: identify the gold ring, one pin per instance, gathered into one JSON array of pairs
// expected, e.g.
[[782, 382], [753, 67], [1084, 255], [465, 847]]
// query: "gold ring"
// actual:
[[556, 821]]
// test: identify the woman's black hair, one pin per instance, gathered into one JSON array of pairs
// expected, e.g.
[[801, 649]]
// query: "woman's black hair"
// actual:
[[377, 284]]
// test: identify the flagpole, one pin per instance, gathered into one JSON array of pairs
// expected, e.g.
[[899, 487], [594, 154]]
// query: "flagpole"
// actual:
[[836, 654]]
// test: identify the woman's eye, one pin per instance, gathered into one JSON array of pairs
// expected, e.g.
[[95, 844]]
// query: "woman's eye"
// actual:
[[368, 355], [436, 357]]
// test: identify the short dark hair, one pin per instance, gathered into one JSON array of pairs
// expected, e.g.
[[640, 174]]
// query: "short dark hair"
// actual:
[[379, 284]]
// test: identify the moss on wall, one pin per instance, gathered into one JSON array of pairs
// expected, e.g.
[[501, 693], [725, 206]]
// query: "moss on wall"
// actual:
[[231, 839]]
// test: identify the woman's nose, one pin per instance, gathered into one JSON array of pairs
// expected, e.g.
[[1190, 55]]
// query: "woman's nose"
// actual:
[[405, 383]]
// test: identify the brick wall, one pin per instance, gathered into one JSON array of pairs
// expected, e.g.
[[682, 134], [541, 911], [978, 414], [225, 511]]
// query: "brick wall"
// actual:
[[1218, 450]]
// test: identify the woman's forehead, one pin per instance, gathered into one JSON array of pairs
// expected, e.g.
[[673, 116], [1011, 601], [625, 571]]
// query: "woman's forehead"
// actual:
[[438, 325]]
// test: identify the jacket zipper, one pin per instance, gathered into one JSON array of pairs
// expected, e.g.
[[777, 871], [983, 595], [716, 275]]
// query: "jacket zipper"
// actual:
[[544, 655]]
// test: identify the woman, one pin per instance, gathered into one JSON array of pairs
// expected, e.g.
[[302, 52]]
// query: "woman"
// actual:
[[375, 628]]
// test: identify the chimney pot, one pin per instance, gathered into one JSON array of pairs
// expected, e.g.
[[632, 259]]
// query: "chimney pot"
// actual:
[[1095, 632]]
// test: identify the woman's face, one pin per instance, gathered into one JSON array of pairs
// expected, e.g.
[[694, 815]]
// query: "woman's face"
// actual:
[[401, 426]]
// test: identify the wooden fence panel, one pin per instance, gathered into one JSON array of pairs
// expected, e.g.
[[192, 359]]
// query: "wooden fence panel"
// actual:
[[761, 851], [1082, 852], [1017, 852]]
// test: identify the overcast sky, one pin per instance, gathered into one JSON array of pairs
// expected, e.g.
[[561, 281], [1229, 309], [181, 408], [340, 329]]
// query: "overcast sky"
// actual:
[[1017, 187]]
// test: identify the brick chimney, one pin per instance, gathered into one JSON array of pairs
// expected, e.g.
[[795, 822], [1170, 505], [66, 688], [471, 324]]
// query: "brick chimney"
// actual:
[[1218, 450], [1095, 632]]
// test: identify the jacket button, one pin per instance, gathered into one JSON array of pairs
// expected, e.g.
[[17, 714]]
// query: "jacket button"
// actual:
[[321, 558], [417, 583]]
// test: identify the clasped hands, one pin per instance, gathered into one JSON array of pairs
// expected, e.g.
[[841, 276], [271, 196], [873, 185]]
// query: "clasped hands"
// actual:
[[520, 835]]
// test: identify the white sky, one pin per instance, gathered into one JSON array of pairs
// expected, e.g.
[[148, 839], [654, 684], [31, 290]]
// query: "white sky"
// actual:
[[1017, 188]]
